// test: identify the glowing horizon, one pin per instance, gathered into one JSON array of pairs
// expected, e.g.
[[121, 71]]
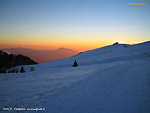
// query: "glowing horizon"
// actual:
[[79, 24], [80, 48]]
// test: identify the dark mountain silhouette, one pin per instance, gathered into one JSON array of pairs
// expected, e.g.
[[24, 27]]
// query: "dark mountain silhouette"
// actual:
[[8, 60], [42, 56]]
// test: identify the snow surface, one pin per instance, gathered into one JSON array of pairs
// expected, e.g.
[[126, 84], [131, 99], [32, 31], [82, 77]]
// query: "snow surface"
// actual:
[[7, 52], [112, 79]]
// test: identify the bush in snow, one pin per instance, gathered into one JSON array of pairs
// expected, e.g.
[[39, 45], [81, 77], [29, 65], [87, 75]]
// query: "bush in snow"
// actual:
[[32, 69], [75, 64], [125, 45], [13, 70], [9, 71], [22, 70], [17, 70]]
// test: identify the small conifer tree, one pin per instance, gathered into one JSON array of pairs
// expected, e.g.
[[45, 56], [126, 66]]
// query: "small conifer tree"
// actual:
[[75, 64], [22, 70]]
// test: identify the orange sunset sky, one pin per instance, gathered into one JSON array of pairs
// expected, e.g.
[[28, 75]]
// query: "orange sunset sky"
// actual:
[[75, 24]]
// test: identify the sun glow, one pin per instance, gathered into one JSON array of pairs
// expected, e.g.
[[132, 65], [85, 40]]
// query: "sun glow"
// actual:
[[71, 25]]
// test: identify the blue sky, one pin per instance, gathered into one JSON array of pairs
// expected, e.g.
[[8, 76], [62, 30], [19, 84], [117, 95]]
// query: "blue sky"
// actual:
[[86, 22]]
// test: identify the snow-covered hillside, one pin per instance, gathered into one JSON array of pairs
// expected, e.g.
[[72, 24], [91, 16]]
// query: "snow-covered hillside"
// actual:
[[112, 79]]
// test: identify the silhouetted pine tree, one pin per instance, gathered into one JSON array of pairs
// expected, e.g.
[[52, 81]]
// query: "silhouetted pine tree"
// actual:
[[75, 64], [22, 70]]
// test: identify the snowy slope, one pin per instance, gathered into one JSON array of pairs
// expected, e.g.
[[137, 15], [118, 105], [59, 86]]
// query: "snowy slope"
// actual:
[[7, 52], [112, 79]]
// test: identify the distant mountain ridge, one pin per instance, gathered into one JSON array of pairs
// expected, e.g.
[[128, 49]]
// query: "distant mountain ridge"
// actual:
[[42, 56]]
